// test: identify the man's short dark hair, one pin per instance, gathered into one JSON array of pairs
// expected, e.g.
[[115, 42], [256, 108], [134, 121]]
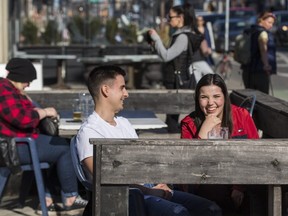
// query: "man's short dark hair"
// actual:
[[100, 75]]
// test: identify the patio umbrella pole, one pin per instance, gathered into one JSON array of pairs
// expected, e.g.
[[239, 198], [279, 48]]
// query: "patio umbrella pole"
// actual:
[[227, 16]]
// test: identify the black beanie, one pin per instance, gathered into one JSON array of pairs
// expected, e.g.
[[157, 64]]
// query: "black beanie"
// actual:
[[21, 70]]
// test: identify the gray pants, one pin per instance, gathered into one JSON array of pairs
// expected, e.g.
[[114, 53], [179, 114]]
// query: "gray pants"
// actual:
[[201, 68]]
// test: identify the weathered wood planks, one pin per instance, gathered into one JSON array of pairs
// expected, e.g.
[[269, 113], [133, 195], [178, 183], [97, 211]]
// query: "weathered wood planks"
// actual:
[[129, 161], [198, 161]]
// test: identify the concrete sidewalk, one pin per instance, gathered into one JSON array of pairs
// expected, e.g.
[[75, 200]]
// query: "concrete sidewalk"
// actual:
[[10, 207]]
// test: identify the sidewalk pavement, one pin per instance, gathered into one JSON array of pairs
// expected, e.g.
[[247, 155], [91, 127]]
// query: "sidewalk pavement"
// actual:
[[9, 206]]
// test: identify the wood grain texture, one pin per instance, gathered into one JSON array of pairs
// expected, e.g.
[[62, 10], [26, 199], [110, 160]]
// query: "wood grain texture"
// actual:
[[194, 161], [129, 161], [270, 115]]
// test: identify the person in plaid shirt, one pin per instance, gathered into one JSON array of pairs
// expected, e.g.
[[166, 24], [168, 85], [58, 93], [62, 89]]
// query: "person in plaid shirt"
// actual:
[[20, 118]]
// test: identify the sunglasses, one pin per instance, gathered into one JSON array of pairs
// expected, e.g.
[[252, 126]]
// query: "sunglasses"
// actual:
[[171, 17]]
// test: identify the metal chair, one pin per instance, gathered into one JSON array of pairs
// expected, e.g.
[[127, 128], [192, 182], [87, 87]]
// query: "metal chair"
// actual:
[[35, 166], [78, 167], [249, 103], [136, 198]]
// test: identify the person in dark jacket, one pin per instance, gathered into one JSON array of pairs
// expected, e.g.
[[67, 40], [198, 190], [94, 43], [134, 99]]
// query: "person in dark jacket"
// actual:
[[256, 74], [178, 57]]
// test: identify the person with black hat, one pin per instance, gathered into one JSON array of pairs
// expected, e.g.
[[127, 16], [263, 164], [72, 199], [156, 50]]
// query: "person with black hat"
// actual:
[[20, 118]]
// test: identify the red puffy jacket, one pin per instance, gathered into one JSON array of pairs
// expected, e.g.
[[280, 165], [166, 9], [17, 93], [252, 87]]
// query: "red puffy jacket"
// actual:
[[243, 125]]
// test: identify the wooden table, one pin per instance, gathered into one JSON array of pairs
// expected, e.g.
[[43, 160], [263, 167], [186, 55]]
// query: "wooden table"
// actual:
[[140, 120], [61, 66], [61, 69], [128, 60], [120, 162]]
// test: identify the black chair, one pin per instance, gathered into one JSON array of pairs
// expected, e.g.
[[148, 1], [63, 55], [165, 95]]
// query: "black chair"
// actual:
[[136, 198], [35, 166], [249, 103]]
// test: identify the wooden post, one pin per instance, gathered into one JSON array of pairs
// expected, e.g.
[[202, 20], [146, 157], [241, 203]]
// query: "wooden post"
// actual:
[[5, 29], [274, 200]]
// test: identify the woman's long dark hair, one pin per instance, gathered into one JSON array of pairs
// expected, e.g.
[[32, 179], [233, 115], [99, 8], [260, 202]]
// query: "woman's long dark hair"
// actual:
[[198, 115], [188, 13]]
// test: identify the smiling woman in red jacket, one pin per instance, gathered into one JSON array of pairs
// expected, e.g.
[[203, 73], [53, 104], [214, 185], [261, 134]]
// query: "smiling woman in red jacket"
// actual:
[[213, 110]]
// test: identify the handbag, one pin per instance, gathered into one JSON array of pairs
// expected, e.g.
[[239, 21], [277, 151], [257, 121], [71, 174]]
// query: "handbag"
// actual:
[[9, 155], [49, 126], [186, 84]]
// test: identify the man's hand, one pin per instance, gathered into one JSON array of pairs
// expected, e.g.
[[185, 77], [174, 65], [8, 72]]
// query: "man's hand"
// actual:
[[209, 123], [164, 187]]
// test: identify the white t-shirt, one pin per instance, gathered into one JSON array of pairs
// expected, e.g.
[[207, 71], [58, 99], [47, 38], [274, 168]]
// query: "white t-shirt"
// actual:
[[96, 127]]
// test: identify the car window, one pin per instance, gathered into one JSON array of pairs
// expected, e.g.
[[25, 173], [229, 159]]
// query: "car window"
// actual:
[[236, 26], [213, 17], [284, 18], [233, 26], [241, 14]]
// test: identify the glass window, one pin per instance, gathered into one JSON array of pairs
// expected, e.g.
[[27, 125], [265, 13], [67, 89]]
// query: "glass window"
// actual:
[[84, 22]]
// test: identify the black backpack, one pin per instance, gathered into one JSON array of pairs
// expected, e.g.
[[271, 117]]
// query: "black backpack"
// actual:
[[242, 49]]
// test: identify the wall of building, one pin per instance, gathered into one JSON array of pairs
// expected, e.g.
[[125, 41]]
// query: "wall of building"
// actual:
[[4, 31]]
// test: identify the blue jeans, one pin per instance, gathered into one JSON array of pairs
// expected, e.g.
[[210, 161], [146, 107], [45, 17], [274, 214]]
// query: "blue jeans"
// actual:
[[181, 204], [54, 150]]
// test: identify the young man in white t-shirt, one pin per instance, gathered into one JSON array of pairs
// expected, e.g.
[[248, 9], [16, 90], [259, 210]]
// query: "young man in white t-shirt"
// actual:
[[106, 85]]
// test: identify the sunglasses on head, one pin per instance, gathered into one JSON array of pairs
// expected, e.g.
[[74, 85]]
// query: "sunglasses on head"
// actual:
[[267, 15]]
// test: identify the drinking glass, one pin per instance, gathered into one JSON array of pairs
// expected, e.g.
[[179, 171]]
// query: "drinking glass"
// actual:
[[87, 104], [219, 133], [77, 110]]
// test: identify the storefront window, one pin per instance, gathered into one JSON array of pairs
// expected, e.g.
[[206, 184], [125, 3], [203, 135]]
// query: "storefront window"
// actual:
[[81, 22]]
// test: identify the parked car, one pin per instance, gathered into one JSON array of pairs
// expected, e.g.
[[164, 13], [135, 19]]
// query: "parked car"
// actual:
[[242, 12], [211, 17], [280, 28], [236, 26]]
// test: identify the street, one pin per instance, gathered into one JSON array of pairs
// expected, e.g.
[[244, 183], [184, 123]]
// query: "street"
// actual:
[[279, 81]]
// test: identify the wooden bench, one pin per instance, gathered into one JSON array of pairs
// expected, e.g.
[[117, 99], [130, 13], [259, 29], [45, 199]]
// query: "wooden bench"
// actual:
[[270, 115], [159, 101], [119, 162]]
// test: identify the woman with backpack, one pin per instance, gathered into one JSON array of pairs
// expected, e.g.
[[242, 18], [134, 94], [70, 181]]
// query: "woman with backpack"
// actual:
[[185, 41], [256, 74]]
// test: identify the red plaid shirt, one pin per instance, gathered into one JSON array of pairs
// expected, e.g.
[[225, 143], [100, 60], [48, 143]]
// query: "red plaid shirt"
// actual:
[[17, 115]]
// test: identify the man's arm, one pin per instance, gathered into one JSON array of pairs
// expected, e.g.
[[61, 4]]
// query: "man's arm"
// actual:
[[88, 163]]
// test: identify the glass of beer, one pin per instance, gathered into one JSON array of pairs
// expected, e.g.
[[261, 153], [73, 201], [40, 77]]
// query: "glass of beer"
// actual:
[[77, 110]]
